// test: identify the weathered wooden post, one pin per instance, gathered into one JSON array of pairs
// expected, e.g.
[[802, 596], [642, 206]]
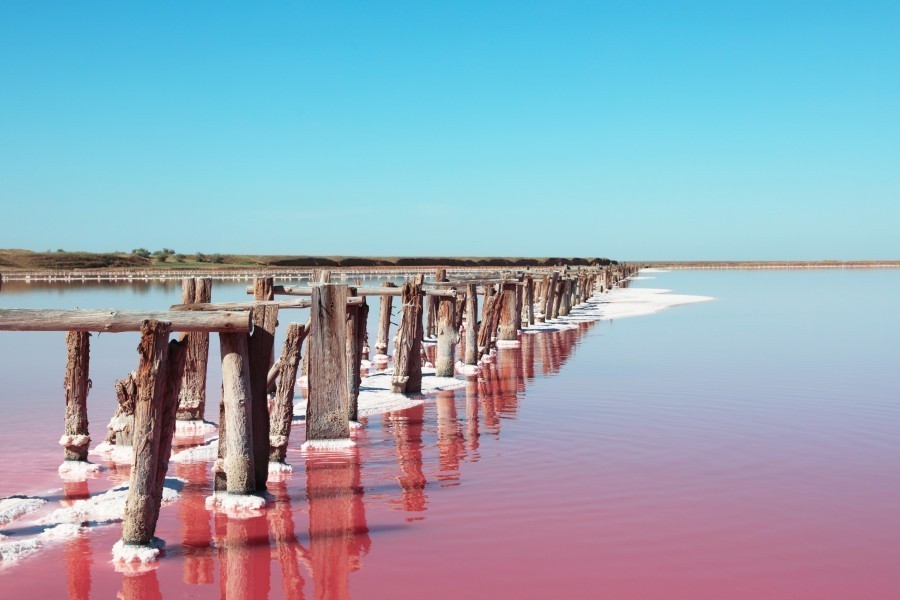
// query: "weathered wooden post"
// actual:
[[489, 315], [235, 424], [76, 438], [508, 329], [357, 317], [471, 324], [529, 300], [408, 343], [432, 303], [447, 335], [192, 400], [550, 296], [542, 299], [260, 346], [283, 410], [121, 426], [327, 415], [158, 382], [384, 324], [565, 297]]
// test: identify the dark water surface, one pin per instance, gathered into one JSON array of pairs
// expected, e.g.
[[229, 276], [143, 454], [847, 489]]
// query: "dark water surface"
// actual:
[[742, 448]]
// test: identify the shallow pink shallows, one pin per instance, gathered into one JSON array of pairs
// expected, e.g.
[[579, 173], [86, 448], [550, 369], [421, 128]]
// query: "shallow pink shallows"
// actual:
[[745, 448]]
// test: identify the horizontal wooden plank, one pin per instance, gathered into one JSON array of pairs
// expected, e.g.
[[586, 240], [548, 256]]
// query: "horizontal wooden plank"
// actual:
[[116, 321], [297, 290], [215, 306]]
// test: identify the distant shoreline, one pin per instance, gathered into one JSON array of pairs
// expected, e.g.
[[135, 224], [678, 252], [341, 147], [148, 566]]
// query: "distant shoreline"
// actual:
[[774, 265]]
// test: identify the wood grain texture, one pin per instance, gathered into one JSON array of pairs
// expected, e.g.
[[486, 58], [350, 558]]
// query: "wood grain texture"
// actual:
[[77, 383], [117, 321], [328, 406]]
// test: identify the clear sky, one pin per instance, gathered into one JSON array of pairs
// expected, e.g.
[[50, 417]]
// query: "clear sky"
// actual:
[[635, 130]]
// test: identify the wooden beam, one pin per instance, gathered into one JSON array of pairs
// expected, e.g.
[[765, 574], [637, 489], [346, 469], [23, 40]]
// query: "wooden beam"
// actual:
[[116, 321], [238, 306], [298, 290]]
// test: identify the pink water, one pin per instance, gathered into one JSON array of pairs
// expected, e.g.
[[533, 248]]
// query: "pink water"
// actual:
[[746, 448]]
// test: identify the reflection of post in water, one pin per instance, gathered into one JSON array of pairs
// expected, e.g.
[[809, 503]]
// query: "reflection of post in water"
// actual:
[[488, 394], [472, 417], [78, 549], [508, 365], [544, 339], [243, 556], [527, 356], [406, 426], [196, 536], [140, 586], [287, 548], [451, 444], [338, 533]]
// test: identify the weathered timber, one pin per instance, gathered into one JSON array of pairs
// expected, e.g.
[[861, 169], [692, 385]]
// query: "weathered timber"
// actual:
[[139, 526], [471, 325], [528, 300], [327, 414], [283, 409], [565, 300], [357, 317], [432, 303], [121, 426], [488, 328], [550, 296], [263, 289], [260, 345], [77, 383], [192, 399], [447, 335], [297, 290], [116, 321], [508, 328], [236, 449], [232, 306], [407, 376], [557, 298], [174, 380]]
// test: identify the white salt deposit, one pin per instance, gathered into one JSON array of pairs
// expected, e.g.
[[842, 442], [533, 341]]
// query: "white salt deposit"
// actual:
[[381, 358], [74, 441], [280, 467], [206, 452], [341, 444], [106, 507], [194, 428], [78, 470], [114, 453], [356, 424], [129, 553], [14, 550], [236, 506], [468, 370], [652, 270], [509, 344], [630, 302], [15, 506]]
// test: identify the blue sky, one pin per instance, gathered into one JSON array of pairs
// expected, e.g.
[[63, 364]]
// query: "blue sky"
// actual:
[[635, 130]]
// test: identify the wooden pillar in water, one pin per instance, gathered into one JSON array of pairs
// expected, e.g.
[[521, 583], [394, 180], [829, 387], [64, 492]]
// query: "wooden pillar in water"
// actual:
[[384, 321], [447, 335], [328, 406], [432, 303], [192, 399], [76, 439], [565, 297], [235, 425], [282, 414], [471, 324], [260, 346], [408, 343], [159, 379], [508, 321], [488, 324], [357, 317], [556, 297], [550, 296], [529, 300]]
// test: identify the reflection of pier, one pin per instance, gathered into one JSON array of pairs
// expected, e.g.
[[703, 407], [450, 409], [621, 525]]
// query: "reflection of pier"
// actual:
[[338, 533]]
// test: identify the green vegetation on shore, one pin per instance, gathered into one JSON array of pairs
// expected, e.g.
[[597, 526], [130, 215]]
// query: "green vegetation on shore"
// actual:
[[166, 258]]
